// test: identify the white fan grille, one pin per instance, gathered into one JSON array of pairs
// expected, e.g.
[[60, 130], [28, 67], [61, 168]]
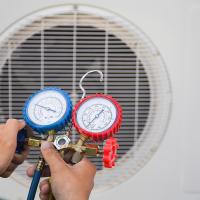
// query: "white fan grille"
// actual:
[[55, 47]]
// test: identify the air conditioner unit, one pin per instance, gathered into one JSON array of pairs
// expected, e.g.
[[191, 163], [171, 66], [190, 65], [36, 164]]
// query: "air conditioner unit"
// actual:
[[148, 52]]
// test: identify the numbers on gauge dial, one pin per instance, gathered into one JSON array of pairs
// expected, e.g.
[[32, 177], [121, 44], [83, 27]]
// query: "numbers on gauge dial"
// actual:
[[47, 107], [96, 115]]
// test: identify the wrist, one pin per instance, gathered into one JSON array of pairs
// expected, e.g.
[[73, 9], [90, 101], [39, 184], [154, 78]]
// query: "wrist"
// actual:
[[79, 197], [74, 196]]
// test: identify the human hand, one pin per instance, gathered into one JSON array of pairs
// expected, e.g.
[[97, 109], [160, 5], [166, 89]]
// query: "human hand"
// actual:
[[8, 143], [67, 182]]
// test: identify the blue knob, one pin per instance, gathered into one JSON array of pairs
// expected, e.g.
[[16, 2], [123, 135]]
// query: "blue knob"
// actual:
[[21, 137]]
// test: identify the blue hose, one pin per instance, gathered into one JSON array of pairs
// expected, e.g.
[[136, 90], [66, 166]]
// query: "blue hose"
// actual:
[[34, 184]]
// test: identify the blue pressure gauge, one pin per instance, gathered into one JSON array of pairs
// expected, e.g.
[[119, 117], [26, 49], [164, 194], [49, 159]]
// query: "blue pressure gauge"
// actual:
[[48, 109]]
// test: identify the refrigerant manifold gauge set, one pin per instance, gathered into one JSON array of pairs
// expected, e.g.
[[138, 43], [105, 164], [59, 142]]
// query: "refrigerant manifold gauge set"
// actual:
[[96, 117]]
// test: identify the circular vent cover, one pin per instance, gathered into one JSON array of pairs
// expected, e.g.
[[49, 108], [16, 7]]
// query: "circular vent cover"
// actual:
[[56, 46]]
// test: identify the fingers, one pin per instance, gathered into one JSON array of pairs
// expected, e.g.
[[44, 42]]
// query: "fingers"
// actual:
[[2, 126], [12, 128], [9, 133], [52, 157], [43, 197], [85, 168], [21, 124], [12, 167], [8, 142], [6, 174], [30, 171], [19, 158], [45, 187], [9, 170]]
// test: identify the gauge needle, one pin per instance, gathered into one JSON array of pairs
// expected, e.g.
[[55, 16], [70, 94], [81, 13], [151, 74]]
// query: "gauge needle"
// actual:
[[46, 108], [96, 116]]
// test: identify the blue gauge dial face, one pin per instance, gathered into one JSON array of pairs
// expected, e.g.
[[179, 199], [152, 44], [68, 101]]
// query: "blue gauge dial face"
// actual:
[[96, 115], [47, 107]]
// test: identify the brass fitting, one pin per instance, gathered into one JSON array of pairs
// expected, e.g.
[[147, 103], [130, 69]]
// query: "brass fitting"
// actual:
[[33, 142], [40, 164], [80, 143], [51, 136], [91, 149]]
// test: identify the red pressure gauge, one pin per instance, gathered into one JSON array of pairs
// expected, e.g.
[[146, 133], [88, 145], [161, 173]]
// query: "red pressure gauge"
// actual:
[[97, 116]]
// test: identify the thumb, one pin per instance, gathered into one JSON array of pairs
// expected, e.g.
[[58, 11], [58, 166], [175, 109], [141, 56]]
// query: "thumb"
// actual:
[[52, 157], [12, 127]]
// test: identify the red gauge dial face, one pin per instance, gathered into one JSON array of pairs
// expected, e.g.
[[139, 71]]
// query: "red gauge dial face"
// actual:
[[97, 116]]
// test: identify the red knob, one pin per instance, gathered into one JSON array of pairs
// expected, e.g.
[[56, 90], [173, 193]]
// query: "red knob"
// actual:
[[110, 152]]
